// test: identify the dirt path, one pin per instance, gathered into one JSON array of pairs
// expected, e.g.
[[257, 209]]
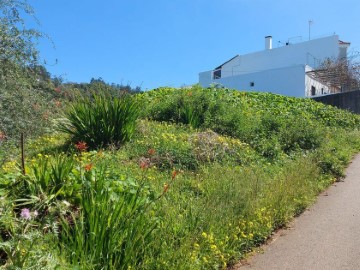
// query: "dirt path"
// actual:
[[325, 237]]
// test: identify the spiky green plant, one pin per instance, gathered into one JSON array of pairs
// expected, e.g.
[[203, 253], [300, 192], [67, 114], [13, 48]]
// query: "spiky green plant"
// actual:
[[111, 231], [101, 120]]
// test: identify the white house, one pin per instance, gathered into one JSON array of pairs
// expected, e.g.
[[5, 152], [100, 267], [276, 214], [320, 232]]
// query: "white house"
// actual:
[[284, 70]]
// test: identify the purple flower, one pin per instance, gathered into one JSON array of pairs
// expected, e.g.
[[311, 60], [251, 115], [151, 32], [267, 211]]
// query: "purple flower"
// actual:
[[25, 213]]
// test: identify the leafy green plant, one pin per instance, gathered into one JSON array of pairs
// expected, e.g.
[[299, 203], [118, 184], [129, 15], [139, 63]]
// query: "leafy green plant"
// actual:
[[52, 174], [188, 106], [22, 251], [22, 244], [49, 179], [111, 231], [300, 134], [101, 121]]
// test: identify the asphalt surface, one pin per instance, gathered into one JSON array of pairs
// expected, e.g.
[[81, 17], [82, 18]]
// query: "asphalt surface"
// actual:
[[325, 237]]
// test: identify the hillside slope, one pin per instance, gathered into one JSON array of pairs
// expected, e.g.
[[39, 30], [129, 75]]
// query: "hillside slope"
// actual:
[[209, 174]]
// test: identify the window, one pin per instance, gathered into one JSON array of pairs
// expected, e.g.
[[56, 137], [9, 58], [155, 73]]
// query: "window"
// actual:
[[313, 90], [217, 74]]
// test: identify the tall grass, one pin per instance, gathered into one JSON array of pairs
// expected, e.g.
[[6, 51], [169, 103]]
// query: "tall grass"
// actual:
[[101, 120], [111, 231]]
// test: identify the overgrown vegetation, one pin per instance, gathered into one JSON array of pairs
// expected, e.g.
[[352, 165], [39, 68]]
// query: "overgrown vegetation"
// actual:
[[206, 176], [194, 180]]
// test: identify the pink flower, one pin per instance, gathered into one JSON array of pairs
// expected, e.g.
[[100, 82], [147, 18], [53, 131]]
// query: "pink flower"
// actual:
[[25, 213]]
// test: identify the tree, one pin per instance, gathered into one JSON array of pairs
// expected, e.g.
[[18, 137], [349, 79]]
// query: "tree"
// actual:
[[341, 75], [17, 43], [24, 84]]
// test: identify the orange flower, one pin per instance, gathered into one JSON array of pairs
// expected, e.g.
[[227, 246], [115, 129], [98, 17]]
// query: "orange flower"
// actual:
[[88, 167], [144, 163], [81, 146], [151, 151], [166, 187], [174, 174]]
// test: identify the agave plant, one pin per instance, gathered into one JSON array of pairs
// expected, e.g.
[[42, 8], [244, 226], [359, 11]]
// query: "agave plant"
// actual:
[[101, 120]]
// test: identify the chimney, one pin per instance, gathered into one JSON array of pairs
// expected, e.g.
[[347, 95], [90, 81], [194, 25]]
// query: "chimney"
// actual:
[[268, 42]]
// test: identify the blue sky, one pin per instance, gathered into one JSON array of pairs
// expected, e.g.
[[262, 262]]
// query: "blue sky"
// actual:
[[168, 42]]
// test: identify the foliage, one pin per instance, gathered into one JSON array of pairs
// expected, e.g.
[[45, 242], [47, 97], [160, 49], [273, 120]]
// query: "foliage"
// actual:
[[53, 178], [181, 147], [272, 124], [253, 162], [27, 100], [101, 121], [111, 231], [189, 106], [96, 86], [22, 244], [17, 42]]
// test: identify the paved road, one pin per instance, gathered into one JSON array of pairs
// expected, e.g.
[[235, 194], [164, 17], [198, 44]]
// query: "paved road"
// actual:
[[326, 237]]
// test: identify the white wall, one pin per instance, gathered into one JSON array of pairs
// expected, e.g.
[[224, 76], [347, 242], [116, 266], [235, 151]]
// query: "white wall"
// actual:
[[320, 88], [288, 81], [311, 52], [206, 78], [279, 70]]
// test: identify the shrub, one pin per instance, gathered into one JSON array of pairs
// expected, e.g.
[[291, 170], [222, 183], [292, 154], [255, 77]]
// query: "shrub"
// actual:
[[188, 106], [302, 134], [101, 121]]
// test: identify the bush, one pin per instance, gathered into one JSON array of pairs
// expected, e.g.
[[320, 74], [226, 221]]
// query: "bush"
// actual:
[[188, 106], [101, 121], [298, 133]]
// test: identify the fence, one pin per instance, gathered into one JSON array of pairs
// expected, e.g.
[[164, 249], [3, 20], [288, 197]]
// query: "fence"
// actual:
[[347, 100]]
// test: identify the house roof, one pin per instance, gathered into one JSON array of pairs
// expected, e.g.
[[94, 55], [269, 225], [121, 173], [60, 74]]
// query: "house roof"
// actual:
[[219, 67]]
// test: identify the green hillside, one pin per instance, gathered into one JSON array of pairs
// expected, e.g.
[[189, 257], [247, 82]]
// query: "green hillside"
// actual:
[[168, 179]]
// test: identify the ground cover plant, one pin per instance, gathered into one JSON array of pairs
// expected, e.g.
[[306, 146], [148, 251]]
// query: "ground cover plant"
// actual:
[[206, 176]]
